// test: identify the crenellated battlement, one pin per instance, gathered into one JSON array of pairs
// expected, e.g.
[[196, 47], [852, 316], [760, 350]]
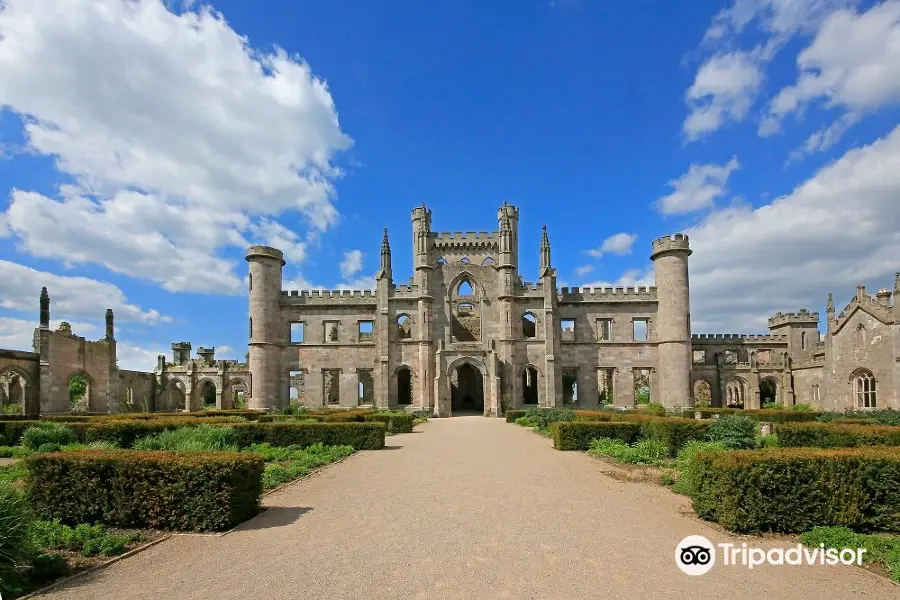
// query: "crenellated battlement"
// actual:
[[328, 296], [608, 294], [718, 338], [801, 317], [467, 239], [409, 290], [669, 243]]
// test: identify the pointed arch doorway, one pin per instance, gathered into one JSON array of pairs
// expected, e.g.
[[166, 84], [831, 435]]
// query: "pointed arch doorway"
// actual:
[[467, 383]]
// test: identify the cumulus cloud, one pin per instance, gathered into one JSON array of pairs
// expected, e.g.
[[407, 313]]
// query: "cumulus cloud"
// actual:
[[697, 189], [18, 334], [839, 228], [69, 296], [619, 244], [630, 278], [137, 358], [852, 64], [723, 90], [180, 138], [352, 263], [584, 270]]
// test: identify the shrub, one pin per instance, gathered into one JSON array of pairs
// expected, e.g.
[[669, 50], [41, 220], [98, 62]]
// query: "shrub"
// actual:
[[542, 418], [296, 462], [577, 435], [191, 439], [772, 406], [795, 489], [833, 435], [593, 415], [362, 436], [89, 540], [396, 421], [47, 567], [802, 407], [769, 441], [879, 549], [769, 415], [685, 462], [512, 415], [654, 408], [644, 452], [47, 432], [13, 535], [49, 447], [189, 491], [736, 432], [124, 432], [674, 432]]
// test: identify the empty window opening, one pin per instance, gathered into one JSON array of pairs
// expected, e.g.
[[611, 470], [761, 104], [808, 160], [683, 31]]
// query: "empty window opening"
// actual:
[[702, 393], [404, 386], [699, 357], [441, 262], [570, 385], [487, 262], [604, 330], [529, 325], [331, 386], [530, 386], [568, 329], [640, 330], [465, 260], [768, 391], [734, 394], [251, 327], [366, 386], [465, 308], [208, 394], [642, 386], [803, 340], [297, 333], [864, 389], [331, 331], [295, 379], [466, 322], [404, 327], [860, 335], [465, 289], [731, 357], [250, 281], [764, 357], [815, 394], [79, 393], [12, 393], [605, 386], [366, 329]]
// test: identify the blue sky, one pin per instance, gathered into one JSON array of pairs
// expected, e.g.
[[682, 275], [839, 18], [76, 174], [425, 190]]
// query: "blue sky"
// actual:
[[143, 145]]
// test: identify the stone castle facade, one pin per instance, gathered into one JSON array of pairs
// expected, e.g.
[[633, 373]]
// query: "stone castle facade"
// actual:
[[467, 333]]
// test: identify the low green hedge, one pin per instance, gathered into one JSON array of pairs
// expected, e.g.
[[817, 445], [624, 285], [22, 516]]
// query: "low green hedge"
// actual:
[[123, 432], [835, 435], [12, 430], [202, 491], [796, 489], [362, 436], [512, 415], [577, 435], [593, 415], [675, 432], [396, 422], [769, 415]]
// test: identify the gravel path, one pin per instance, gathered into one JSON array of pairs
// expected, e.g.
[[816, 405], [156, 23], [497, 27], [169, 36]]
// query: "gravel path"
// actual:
[[463, 508]]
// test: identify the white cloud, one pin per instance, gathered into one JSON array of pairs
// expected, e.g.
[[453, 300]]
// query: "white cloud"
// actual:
[[137, 358], [619, 244], [723, 91], [201, 142], [837, 229], [69, 296], [18, 334], [826, 137], [352, 263], [630, 278], [584, 270], [697, 189], [852, 64]]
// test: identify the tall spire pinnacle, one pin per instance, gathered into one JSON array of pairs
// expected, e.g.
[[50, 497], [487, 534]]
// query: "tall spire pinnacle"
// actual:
[[110, 328], [545, 251], [385, 256], [897, 282], [45, 309], [829, 308]]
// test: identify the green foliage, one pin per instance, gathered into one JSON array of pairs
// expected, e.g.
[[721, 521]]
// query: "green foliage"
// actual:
[[644, 452], [362, 436], [89, 540], [396, 421], [125, 488], [47, 432], [14, 452], [673, 432], [802, 407], [773, 415], [12, 409], [684, 461], [191, 439], [655, 408], [881, 417], [294, 461], [735, 432], [772, 406], [77, 389], [49, 447], [513, 415], [14, 472], [796, 489], [835, 435], [883, 550], [543, 418], [124, 432], [577, 435], [14, 518], [769, 441], [47, 567]]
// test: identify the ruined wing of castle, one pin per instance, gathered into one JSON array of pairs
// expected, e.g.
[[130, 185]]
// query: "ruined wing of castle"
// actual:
[[467, 334]]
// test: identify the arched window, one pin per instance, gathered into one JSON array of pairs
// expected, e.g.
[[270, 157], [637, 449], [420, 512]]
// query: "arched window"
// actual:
[[864, 389], [734, 394], [487, 261], [529, 325], [441, 261], [803, 340], [404, 327], [860, 335], [465, 260], [465, 289]]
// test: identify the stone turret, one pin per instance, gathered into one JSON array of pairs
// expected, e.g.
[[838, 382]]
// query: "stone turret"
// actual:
[[181, 353], [267, 332], [45, 309], [110, 326], [508, 220], [673, 320], [207, 355], [421, 227]]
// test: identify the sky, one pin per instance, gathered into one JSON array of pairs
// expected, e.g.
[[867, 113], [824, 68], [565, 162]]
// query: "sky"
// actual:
[[144, 145]]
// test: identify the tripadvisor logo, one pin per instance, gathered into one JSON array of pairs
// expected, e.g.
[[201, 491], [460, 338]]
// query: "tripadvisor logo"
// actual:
[[696, 555]]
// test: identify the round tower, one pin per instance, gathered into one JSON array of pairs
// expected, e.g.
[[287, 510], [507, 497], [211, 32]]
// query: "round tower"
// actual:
[[511, 213], [267, 331], [673, 320], [421, 226]]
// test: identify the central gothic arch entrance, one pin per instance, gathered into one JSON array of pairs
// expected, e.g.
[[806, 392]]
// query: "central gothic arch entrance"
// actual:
[[466, 389]]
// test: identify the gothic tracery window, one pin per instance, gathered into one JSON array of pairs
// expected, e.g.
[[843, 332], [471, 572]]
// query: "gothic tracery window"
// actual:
[[864, 389]]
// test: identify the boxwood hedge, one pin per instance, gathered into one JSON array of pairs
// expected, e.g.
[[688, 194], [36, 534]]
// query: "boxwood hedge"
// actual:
[[577, 435], [835, 435], [202, 491]]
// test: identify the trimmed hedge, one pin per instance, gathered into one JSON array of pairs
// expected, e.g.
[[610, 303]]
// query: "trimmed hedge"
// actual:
[[593, 415], [362, 436], [675, 432], [123, 432], [577, 435], [202, 491], [396, 422], [835, 435], [796, 489], [769, 415], [512, 415], [12, 430]]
